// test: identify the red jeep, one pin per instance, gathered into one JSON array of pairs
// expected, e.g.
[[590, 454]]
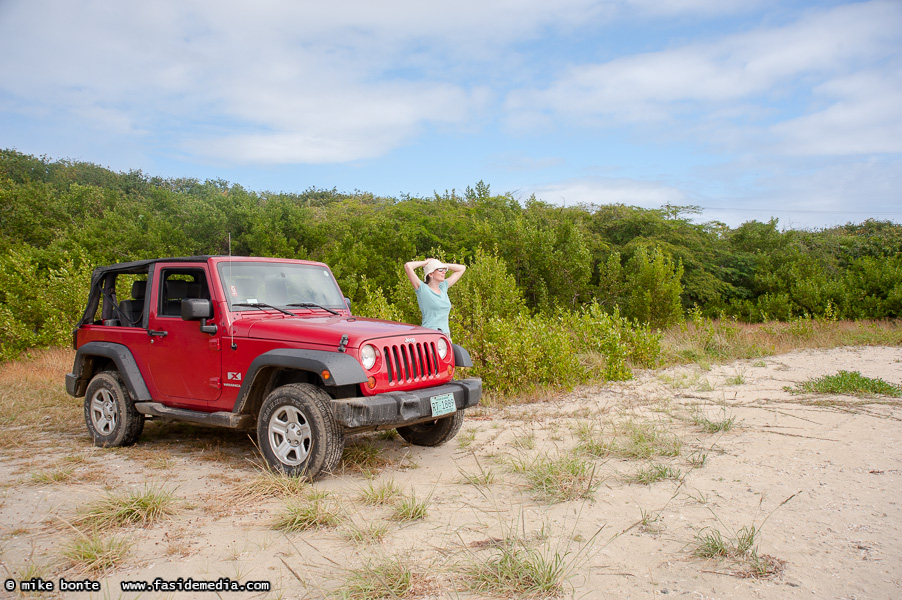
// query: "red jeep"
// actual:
[[238, 342]]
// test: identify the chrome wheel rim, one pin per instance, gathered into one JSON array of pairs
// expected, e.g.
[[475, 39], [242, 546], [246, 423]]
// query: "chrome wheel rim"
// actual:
[[104, 412], [290, 436]]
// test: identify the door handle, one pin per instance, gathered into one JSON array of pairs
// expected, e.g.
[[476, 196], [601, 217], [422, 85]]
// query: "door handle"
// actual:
[[153, 333]]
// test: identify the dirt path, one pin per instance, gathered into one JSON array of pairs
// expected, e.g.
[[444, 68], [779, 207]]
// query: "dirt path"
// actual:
[[812, 484]]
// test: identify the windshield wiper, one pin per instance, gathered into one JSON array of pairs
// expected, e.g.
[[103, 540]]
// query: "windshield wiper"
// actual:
[[264, 305], [313, 305]]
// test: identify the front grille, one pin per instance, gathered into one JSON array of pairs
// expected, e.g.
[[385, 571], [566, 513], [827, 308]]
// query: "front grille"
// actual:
[[410, 362]]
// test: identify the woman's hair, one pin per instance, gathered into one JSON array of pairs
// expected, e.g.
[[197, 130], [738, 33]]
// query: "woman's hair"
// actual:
[[427, 278]]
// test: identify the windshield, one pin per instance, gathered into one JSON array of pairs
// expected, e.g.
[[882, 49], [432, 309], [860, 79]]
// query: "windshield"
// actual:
[[278, 284]]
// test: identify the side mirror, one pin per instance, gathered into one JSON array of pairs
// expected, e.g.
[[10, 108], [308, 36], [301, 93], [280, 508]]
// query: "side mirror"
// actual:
[[348, 302], [194, 309]]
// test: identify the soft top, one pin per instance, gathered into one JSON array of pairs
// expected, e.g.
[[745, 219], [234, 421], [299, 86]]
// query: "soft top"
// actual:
[[136, 267], [140, 266]]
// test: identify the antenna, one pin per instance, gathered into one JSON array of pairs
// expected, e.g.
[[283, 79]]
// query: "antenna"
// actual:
[[231, 283]]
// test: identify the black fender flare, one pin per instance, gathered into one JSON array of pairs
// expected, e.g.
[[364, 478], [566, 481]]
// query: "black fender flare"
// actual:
[[342, 369], [125, 363], [461, 356]]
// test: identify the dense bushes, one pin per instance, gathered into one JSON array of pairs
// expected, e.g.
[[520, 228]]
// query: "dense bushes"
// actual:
[[552, 294]]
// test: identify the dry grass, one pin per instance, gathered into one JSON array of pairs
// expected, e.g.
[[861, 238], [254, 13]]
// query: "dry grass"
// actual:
[[33, 398], [383, 577], [724, 340], [124, 509], [316, 511], [265, 485], [95, 554], [363, 455]]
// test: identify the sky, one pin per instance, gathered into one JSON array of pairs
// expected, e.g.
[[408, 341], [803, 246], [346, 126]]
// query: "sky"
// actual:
[[749, 109]]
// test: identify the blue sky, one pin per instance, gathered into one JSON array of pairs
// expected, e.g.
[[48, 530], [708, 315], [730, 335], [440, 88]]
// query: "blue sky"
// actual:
[[749, 108]]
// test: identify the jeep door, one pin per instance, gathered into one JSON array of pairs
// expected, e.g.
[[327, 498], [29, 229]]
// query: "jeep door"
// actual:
[[185, 363]]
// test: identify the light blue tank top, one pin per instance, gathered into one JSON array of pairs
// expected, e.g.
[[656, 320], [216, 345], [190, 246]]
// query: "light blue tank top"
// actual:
[[435, 307]]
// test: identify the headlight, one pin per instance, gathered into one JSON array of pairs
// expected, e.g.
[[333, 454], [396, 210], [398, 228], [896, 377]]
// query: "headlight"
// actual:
[[368, 357], [442, 346]]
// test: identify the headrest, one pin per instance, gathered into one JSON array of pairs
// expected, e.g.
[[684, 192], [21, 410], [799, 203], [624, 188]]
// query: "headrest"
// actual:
[[139, 288]]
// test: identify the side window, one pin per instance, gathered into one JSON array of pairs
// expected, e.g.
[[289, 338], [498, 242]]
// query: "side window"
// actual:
[[122, 300], [179, 284]]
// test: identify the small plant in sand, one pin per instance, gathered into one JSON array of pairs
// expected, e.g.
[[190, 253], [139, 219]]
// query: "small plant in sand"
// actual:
[[370, 533], [483, 478], [521, 565], [384, 577], [558, 478], [713, 425], [133, 508], [524, 441], [847, 383], [380, 494], [737, 378], [740, 547], [650, 522], [466, 438], [95, 553], [54, 475], [267, 483], [697, 459], [363, 456], [653, 473], [32, 570], [593, 441], [316, 511], [409, 508], [647, 440]]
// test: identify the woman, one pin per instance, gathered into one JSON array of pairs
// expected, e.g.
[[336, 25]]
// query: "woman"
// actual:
[[432, 294]]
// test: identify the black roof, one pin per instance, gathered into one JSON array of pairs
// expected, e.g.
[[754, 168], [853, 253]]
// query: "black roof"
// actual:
[[140, 266], [136, 267]]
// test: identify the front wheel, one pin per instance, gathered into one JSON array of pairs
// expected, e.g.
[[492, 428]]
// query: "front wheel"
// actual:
[[297, 431], [433, 433], [110, 414]]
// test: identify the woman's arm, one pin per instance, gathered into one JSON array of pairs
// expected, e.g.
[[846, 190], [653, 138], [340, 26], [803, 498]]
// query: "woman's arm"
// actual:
[[457, 271], [409, 268]]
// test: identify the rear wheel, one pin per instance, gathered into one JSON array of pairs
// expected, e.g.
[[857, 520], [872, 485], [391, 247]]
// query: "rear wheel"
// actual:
[[433, 433], [110, 414], [297, 431]]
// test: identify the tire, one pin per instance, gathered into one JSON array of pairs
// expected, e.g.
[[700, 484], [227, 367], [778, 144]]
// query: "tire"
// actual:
[[110, 414], [297, 431], [433, 433]]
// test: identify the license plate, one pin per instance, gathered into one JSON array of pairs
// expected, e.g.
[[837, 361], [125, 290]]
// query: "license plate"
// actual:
[[443, 405]]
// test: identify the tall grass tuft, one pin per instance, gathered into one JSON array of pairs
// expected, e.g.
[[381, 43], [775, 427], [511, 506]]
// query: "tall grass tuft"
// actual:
[[134, 508], [96, 553], [558, 478], [316, 511], [385, 577]]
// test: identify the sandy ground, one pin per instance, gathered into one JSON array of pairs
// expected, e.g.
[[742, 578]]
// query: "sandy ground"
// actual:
[[816, 478]]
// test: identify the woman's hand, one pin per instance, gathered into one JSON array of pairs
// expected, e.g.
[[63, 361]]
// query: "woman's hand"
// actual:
[[457, 271], [410, 269]]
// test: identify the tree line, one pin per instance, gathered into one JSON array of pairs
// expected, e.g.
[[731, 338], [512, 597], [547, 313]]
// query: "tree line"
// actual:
[[648, 267]]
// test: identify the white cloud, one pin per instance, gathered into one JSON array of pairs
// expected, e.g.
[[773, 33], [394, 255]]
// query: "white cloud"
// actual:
[[716, 81], [864, 116], [270, 81], [608, 191]]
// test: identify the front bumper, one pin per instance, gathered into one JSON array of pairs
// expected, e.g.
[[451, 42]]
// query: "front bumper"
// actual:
[[392, 409]]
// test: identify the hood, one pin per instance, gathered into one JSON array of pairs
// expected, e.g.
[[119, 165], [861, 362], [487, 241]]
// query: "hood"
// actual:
[[324, 330]]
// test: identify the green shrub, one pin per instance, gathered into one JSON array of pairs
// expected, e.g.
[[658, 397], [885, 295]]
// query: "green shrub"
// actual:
[[41, 298], [647, 289]]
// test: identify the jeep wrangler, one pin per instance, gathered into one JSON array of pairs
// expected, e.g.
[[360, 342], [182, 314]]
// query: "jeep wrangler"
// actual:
[[269, 343]]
